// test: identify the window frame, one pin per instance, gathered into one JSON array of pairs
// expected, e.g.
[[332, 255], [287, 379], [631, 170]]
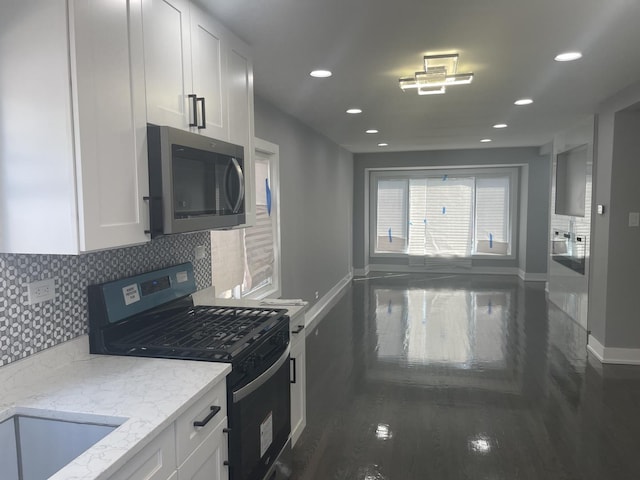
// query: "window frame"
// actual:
[[415, 173]]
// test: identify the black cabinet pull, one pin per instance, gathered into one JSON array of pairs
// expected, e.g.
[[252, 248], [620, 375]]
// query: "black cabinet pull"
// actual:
[[202, 114], [567, 235], [226, 463], [194, 108], [298, 330], [207, 419], [293, 361], [226, 430]]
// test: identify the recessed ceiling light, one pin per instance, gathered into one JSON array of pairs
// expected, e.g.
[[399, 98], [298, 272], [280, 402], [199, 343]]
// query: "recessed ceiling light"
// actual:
[[353, 111], [500, 125], [523, 101], [485, 140], [383, 144], [371, 130], [568, 57], [321, 73]]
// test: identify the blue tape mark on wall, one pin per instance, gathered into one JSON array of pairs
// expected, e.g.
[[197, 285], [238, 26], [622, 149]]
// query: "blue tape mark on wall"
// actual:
[[444, 178], [390, 236], [268, 190], [490, 240], [444, 210], [425, 221]]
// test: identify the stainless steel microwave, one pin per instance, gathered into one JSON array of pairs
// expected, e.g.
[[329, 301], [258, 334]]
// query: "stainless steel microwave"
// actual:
[[195, 182]]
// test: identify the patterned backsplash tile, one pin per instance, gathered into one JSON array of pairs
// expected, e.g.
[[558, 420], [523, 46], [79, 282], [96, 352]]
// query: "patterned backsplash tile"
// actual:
[[27, 329]]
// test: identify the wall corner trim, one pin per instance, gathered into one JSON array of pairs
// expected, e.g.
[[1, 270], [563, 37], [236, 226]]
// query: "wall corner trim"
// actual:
[[315, 314], [532, 277], [612, 355], [361, 272]]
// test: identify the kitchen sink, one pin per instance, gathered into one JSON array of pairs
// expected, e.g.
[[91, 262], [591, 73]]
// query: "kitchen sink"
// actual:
[[35, 447]]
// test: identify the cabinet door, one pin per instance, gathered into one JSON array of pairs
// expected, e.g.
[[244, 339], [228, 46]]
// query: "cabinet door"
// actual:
[[37, 178], [298, 388], [240, 93], [207, 53], [167, 60], [207, 462], [156, 461], [111, 150]]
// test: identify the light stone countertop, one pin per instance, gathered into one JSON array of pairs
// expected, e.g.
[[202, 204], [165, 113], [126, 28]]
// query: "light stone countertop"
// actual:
[[142, 395]]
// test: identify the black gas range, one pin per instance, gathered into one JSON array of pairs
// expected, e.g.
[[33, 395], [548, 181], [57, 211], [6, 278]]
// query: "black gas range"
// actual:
[[153, 315]]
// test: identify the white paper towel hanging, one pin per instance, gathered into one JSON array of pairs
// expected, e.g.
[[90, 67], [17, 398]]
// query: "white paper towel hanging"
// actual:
[[227, 259]]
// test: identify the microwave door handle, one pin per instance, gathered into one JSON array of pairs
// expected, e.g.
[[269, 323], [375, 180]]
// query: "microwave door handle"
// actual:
[[238, 169]]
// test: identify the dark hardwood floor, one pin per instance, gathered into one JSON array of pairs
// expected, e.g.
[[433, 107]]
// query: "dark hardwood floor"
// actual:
[[462, 377]]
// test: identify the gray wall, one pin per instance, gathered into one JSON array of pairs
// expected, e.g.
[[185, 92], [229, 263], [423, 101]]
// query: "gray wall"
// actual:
[[316, 191], [615, 257], [536, 176]]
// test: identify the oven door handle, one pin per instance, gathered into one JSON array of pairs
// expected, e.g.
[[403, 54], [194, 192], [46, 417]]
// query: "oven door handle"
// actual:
[[262, 379]]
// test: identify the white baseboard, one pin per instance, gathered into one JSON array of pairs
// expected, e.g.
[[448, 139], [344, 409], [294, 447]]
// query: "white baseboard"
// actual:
[[532, 277], [315, 314], [620, 356], [443, 269]]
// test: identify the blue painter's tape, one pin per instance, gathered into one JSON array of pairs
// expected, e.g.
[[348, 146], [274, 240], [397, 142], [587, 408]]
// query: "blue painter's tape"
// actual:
[[390, 236], [425, 221], [444, 210], [490, 240], [268, 190], [444, 178]]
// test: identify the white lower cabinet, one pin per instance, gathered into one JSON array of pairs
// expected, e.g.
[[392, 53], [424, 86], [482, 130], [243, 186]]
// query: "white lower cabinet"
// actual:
[[208, 460], [156, 461], [298, 377], [194, 447]]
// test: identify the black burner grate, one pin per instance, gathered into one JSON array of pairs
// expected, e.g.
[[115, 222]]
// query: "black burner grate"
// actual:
[[202, 333]]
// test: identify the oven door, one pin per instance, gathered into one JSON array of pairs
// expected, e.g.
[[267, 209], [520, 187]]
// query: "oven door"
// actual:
[[260, 422]]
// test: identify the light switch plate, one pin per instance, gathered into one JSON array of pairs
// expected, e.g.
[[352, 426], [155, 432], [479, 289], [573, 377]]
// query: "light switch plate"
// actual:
[[634, 219], [600, 209]]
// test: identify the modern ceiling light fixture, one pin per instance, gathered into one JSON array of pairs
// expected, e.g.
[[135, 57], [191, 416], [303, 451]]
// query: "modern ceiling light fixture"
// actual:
[[523, 101], [354, 111], [440, 72], [500, 125], [383, 144], [485, 140], [371, 130]]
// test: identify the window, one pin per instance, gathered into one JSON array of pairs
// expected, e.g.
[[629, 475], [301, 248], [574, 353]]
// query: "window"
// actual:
[[245, 262], [427, 213]]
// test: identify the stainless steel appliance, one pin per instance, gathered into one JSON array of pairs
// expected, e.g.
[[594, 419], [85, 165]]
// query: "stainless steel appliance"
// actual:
[[195, 182], [152, 315]]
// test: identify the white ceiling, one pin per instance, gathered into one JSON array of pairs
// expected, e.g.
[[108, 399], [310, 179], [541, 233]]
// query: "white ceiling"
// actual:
[[369, 44]]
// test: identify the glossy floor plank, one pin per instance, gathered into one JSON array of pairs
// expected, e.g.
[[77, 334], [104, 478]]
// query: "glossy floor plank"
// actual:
[[462, 377]]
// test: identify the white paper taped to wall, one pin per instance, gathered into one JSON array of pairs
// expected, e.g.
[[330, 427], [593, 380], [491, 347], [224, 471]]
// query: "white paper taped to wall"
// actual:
[[227, 259]]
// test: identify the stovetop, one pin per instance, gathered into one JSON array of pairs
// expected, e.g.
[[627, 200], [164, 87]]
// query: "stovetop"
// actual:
[[201, 332]]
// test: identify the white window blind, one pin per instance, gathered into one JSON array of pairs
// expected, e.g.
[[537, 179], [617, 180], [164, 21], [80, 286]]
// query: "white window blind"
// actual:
[[438, 216], [492, 215], [392, 216]]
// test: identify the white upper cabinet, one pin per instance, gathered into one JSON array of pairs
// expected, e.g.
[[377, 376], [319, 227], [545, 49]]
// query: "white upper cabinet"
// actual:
[[184, 63], [73, 161], [167, 62], [199, 75], [208, 75]]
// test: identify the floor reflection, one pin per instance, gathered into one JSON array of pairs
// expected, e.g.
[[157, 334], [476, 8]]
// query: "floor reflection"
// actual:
[[461, 377], [458, 327]]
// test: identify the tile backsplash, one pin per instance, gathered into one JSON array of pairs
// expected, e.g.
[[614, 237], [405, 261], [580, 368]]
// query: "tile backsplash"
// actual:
[[27, 329]]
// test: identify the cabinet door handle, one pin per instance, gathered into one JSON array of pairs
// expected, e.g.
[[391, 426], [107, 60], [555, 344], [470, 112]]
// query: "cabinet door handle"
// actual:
[[194, 109], [293, 361], [202, 114], [207, 419], [298, 330]]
